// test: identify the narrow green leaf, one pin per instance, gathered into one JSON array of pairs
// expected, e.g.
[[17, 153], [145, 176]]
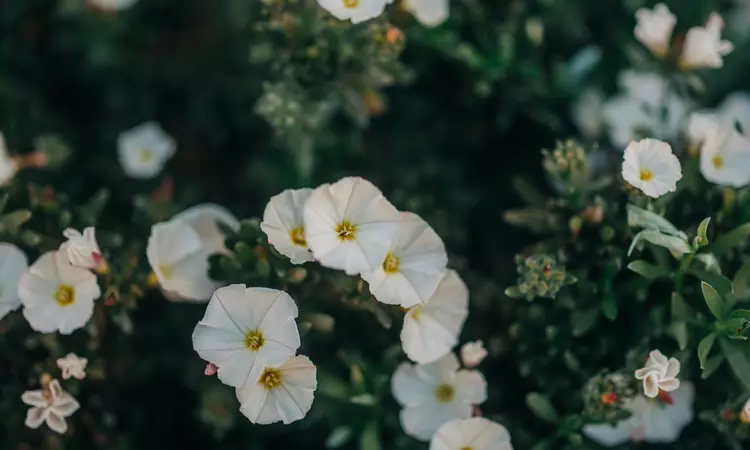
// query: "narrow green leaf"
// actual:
[[741, 281], [704, 348], [673, 243], [15, 219], [680, 308], [702, 233], [338, 437], [719, 282], [713, 300], [513, 292], [741, 314], [582, 321], [738, 357], [370, 437], [541, 407], [680, 332], [712, 364], [639, 217], [609, 306], [728, 241], [647, 270]]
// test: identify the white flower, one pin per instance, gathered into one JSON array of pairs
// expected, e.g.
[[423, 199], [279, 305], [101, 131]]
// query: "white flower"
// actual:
[[13, 263], [355, 10], [430, 13], [703, 46], [587, 113], [56, 295], [413, 267], [745, 413], [51, 405], [659, 373], [73, 366], [436, 393], [144, 150], [650, 166], [700, 125], [284, 393], [283, 224], [246, 329], [113, 5], [8, 165], [654, 28], [734, 111], [82, 250], [473, 353], [205, 219], [476, 433], [349, 225], [725, 157]]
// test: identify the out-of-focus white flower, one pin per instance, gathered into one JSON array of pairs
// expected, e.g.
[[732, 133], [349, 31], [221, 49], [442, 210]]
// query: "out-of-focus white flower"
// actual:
[[8, 165], [280, 394], [349, 225], [430, 13], [73, 366], [144, 150], [659, 373], [436, 393], [725, 157], [587, 113], [431, 330], [246, 329], [56, 295], [51, 405], [734, 112], [112, 5], [82, 250], [412, 268], [476, 433], [703, 46], [284, 225], [700, 125], [472, 354], [204, 219], [650, 166], [13, 263], [355, 10], [654, 28], [745, 413]]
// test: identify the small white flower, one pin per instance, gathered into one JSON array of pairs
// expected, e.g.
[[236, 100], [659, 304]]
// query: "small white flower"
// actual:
[[82, 249], [205, 219], [113, 5], [355, 10], [144, 150], [284, 226], [587, 113], [745, 413], [13, 263], [430, 13], [725, 157], [436, 393], [246, 329], [700, 125], [284, 393], [654, 28], [412, 268], [51, 405], [734, 112], [650, 166], [703, 46], [349, 225], [56, 295], [472, 354], [8, 165], [659, 374], [476, 433], [73, 366]]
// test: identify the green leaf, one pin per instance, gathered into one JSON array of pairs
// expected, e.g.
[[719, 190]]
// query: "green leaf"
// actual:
[[513, 292], [741, 281], [719, 282], [639, 217], [680, 332], [702, 234], [541, 407], [680, 308], [609, 306], [582, 321], [738, 357], [370, 437], [713, 300], [712, 364], [741, 314], [704, 348], [647, 270], [92, 210], [14, 220], [338, 437], [672, 243], [728, 241]]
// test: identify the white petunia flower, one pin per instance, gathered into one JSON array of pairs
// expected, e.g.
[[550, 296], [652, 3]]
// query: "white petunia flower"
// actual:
[[659, 374], [650, 166], [56, 295], [430, 13], [73, 366], [725, 157], [284, 226], [745, 413], [472, 354], [51, 405], [654, 28], [587, 113], [113, 5], [476, 433], [246, 329], [703, 46], [13, 263], [8, 165], [280, 394], [144, 150], [436, 393], [82, 250], [355, 10], [413, 267], [349, 225]]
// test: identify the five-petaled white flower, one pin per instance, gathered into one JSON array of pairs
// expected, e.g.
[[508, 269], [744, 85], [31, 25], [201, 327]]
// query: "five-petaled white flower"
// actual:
[[8, 165], [349, 225], [472, 354], [284, 226], [703, 46], [51, 405], [56, 295], [245, 330], [436, 393], [112, 5], [725, 157], [144, 150], [355, 10], [412, 268], [654, 28], [82, 250], [650, 166], [476, 433], [659, 374], [280, 393], [13, 263], [430, 13], [73, 366]]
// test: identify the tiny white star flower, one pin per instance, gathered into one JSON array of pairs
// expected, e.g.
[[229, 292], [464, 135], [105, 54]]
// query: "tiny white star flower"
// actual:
[[725, 157], [280, 394], [355, 10], [51, 405], [8, 165], [703, 46], [144, 150], [745, 413], [654, 28], [13, 263], [73, 366], [246, 329], [412, 268], [113, 5], [650, 166], [659, 374], [284, 226], [436, 393], [82, 249], [476, 433], [349, 225], [429, 13], [56, 295], [472, 354]]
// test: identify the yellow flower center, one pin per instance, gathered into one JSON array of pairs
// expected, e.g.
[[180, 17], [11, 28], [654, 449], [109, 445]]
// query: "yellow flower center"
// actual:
[[270, 379], [444, 393], [346, 230], [167, 270], [718, 161], [350, 3], [297, 235], [145, 155], [65, 295], [646, 175], [416, 311], [254, 340], [467, 448], [391, 263]]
